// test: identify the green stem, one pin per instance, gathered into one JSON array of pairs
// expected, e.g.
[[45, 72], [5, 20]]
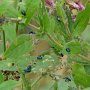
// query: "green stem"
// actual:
[[58, 44], [83, 57], [67, 30], [55, 86], [17, 27], [38, 28], [25, 83], [17, 23], [4, 43], [36, 81]]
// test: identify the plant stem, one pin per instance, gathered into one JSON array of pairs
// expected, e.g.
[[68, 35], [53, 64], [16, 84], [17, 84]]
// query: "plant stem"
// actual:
[[4, 43], [34, 26], [83, 57], [58, 44], [25, 83], [55, 86], [17, 27], [36, 81], [17, 23]]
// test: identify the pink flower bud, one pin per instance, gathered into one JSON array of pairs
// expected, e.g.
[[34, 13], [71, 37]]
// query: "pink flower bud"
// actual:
[[77, 4], [74, 18], [81, 7], [49, 3]]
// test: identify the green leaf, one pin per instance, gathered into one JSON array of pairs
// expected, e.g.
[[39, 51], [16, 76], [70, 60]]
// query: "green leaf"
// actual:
[[61, 28], [60, 11], [21, 45], [86, 34], [8, 85], [47, 85], [87, 69], [10, 31], [21, 62], [47, 23], [1, 78], [47, 62], [80, 76], [7, 8], [69, 17], [31, 7], [4, 5], [62, 85], [81, 21], [12, 12], [87, 88], [86, 46], [74, 46], [7, 65]]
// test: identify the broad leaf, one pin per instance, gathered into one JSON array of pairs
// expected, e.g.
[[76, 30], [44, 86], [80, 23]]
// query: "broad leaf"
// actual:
[[73, 46], [21, 62], [8, 85], [81, 21], [10, 31], [62, 85], [3, 6], [31, 7], [21, 45], [44, 19], [80, 76], [87, 88], [12, 12], [1, 78]]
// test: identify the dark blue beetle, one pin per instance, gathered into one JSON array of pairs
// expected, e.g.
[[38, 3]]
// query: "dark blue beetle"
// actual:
[[67, 79], [31, 32], [28, 69], [68, 49], [39, 57], [23, 12]]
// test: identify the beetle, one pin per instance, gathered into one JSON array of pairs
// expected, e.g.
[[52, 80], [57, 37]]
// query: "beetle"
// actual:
[[31, 32], [39, 57], [23, 12], [67, 79], [61, 54], [68, 49], [28, 69]]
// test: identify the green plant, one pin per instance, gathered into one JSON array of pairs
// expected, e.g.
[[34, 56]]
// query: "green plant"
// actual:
[[63, 64]]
